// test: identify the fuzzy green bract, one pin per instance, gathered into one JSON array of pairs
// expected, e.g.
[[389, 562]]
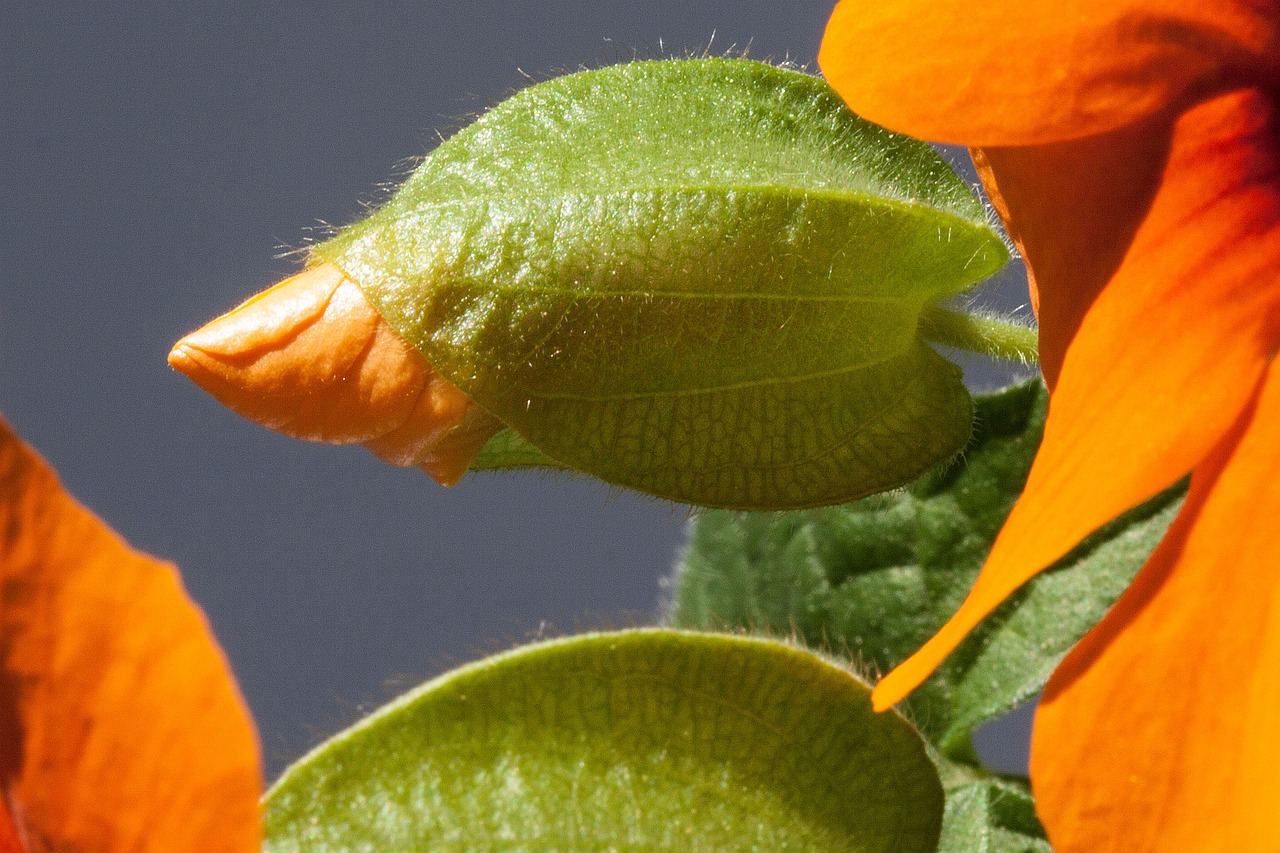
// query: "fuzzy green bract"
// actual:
[[701, 279], [637, 740]]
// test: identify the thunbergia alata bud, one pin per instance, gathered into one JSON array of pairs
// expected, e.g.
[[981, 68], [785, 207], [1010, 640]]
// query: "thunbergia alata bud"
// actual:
[[705, 279], [312, 359]]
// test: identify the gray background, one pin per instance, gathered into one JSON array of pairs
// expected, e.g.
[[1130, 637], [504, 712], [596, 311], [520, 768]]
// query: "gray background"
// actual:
[[155, 160]]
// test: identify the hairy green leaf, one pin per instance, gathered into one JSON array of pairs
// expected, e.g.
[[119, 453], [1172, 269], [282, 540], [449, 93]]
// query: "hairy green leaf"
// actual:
[[702, 279], [875, 579], [991, 816], [639, 740], [509, 449]]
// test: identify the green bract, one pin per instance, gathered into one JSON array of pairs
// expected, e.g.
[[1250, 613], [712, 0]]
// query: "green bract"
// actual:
[[638, 740], [702, 279]]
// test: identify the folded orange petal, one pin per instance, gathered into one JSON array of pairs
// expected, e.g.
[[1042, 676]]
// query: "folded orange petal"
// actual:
[[1027, 72], [1161, 729], [311, 358], [1072, 209], [1163, 361], [120, 726]]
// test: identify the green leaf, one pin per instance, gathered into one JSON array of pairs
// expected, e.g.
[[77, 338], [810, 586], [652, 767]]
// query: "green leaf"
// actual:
[[509, 449], [702, 279], [639, 740], [987, 814], [991, 816], [875, 579], [1012, 655]]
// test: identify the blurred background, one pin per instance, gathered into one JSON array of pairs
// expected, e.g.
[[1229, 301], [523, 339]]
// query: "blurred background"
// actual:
[[155, 164]]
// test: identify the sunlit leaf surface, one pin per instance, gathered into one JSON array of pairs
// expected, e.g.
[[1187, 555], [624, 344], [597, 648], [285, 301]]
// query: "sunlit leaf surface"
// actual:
[[701, 279], [640, 740]]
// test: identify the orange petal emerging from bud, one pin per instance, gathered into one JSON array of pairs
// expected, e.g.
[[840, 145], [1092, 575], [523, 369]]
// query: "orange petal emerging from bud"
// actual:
[[311, 358]]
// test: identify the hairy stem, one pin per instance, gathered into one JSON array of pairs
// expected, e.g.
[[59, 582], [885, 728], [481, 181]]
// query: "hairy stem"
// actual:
[[990, 336]]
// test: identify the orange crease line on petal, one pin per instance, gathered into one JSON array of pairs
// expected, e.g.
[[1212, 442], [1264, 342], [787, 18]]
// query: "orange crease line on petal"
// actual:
[[10, 840]]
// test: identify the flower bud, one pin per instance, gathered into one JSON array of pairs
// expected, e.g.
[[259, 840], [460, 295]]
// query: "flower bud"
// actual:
[[311, 358], [706, 280]]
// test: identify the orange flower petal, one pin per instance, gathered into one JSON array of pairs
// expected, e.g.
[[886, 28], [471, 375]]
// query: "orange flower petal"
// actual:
[[1072, 209], [311, 358], [1161, 729], [1027, 72], [1163, 362], [442, 435], [9, 840], [120, 726]]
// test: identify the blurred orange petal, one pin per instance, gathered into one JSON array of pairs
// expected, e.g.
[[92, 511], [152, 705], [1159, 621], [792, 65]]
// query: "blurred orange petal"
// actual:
[[1161, 729], [120, 726], [1163, 361], [9, 841], [1028, 72]]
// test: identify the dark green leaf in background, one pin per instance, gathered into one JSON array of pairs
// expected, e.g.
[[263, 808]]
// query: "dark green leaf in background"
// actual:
[[1013, 654], [875, 579], [640, 740], [702, 279], [991, 816]]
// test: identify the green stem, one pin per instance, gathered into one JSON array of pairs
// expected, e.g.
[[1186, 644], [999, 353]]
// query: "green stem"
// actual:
[[986, 335]]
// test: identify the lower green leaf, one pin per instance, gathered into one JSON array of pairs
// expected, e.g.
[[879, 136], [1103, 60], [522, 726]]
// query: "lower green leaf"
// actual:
[[645, 739]]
